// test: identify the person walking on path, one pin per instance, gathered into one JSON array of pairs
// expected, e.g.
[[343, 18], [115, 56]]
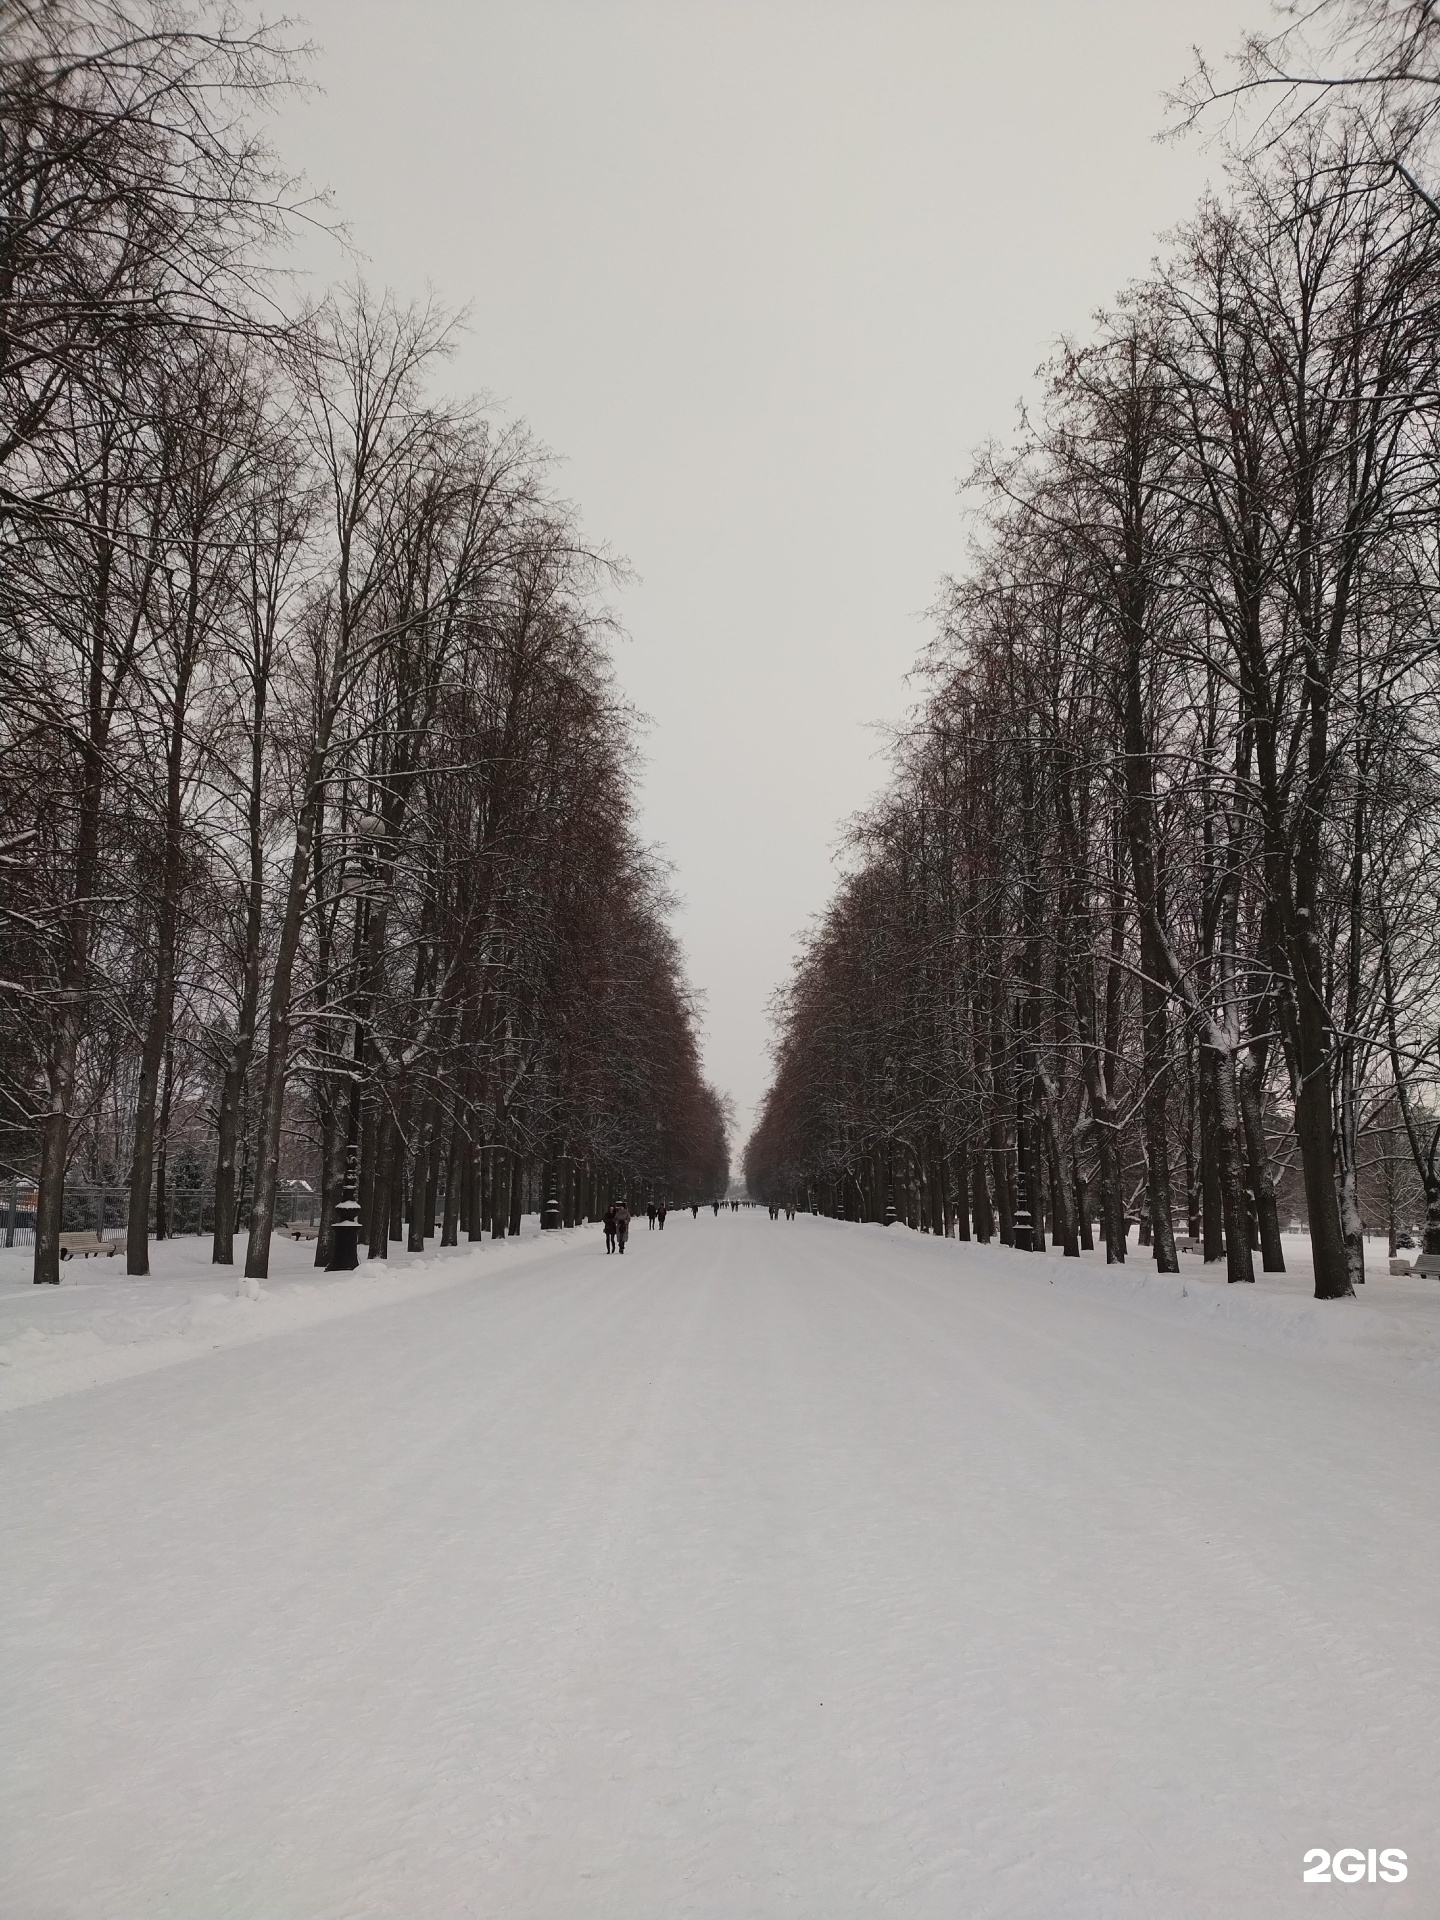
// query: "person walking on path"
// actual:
[[608, 1218], [622, 1224], [660, 1213], [650, 1215]]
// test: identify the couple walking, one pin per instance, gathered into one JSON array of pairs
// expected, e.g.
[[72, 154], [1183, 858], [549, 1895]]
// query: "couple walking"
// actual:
[[616, 1218]]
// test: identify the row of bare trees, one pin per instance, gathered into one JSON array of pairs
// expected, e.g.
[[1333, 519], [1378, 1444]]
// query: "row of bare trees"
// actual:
[[1147, 922], [315, 794]]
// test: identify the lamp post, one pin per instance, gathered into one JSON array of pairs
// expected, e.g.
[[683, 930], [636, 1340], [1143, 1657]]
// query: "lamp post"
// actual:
[[550, 1217], [345, 1227], [1024, 1235]]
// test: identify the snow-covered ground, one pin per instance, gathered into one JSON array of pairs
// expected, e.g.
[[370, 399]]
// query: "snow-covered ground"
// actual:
[[781, 1568], [100, 1325]]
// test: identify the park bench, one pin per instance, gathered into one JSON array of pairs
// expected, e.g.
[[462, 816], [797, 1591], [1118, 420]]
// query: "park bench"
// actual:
[[84, 1244], [301, 1230], [1397, 1265]]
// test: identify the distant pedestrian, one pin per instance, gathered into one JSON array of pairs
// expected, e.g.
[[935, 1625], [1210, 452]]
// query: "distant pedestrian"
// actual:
[[608, 1218], [650, 1215], [622, 1224], [660, 1213], [694, 1209], [716, 1205]]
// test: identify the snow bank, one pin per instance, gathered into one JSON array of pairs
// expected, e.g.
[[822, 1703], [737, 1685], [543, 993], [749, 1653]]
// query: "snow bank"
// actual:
[[1393, 1323], [100, 1325]]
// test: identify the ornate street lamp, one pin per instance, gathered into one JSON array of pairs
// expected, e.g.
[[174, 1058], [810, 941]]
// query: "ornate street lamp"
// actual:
[[550, 1217], [1024, 1240], [345, 1227]]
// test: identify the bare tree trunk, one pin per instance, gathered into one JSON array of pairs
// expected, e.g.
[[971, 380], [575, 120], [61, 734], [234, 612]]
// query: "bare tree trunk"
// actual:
[[277, 1054], [65, 1043], [1112, 1198], [1218, 1067], [980, 1197], [379, 1223], [397, 1173], [162, 1146], [477, 1179], [960, 1198], [152, 1055], [1154, 1026], [432, 1168], [332, 1174], [237, 1065], [1083, 1209], [1314, 1134], [1000, 1168], [110, 658], [1062, 1200], [422, 1183], [1347, 1131], [1212, 1216], [502, 1176], [517, 1193], [1034, 1169], [1262, 1180], [450, 1226], [1156, 1050]]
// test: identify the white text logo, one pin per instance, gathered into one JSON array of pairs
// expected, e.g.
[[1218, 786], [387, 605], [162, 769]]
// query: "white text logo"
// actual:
[[1351, 1864]]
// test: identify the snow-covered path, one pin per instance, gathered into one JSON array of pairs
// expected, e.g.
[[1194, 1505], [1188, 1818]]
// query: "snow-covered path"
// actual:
[[779, 1568]]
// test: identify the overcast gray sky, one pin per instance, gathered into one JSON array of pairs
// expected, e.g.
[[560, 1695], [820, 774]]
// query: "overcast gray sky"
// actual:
[[764, 275]]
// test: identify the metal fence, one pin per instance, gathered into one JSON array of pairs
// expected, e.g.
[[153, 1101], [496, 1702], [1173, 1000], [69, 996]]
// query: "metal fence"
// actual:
[[106, 1210]]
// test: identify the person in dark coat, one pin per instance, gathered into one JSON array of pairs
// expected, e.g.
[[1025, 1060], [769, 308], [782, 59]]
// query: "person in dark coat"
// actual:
[[622, 1224], [608, 1219], [660, 1213]]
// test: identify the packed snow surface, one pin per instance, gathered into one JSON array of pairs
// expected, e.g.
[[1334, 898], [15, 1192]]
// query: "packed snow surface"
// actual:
[[777, 1568]]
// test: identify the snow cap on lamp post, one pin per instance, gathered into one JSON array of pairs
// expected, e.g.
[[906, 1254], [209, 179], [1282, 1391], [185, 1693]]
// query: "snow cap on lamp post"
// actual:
[[345, 1238]]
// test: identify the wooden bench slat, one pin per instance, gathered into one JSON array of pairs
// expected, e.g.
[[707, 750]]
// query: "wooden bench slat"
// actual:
[[85, 1244]]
